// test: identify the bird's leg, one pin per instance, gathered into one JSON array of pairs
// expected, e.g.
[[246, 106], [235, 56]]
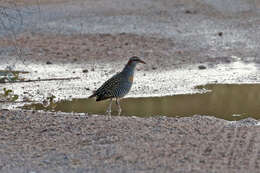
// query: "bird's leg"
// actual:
[[109, 108], [119, 108]]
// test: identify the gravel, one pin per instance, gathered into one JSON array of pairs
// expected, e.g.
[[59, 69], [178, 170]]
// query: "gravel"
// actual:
[[58, 142]]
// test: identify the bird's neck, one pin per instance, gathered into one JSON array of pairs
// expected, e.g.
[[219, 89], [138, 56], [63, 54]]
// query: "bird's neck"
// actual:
[[129, 68]]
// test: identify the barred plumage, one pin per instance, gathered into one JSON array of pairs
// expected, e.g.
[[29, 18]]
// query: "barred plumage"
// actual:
[[118, 85]]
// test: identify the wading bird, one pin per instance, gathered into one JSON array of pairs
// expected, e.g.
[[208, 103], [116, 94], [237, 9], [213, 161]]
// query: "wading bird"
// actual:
[[118, 85]]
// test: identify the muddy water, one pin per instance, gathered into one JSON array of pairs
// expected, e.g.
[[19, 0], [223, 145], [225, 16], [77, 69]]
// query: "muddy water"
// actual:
[[226, 101]]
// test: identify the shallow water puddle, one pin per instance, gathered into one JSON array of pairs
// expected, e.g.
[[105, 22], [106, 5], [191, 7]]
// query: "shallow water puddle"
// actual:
[[226, 101]]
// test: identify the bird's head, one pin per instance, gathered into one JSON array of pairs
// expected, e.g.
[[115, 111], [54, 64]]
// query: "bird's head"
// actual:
[[135, 60]]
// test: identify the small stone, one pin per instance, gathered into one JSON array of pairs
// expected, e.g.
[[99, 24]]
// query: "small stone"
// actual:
[[190, 12], [85, 71], [202, 67], [220, 34], [154, 68], [48, 62], [87, 88]]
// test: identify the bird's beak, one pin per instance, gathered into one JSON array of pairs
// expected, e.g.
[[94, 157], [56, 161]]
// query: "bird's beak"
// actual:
[[141, 61]]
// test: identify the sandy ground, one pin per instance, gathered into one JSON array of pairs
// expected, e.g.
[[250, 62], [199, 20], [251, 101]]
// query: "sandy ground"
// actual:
[[57, 142], [174, 37]]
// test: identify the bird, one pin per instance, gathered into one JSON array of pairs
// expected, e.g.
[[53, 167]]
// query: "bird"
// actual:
[[118, 85]]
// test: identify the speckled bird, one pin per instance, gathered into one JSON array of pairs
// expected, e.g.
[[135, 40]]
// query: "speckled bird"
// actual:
[[118, 85]]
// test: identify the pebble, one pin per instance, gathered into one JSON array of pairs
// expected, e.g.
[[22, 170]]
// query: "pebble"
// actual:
[[202, 67], [48, 62]]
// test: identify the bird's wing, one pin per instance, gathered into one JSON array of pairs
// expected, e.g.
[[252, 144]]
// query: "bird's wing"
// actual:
[[110, 85]]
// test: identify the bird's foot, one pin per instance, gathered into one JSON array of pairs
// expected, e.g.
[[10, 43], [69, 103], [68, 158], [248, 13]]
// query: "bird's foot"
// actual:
[[108, 112], [119, 112], [108, 115]]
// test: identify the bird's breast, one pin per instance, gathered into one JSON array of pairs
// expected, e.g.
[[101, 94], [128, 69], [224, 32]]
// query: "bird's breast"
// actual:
[[131, 79]]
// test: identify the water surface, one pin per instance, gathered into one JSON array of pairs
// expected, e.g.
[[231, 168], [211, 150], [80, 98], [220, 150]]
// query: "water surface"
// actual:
[[226, 101]]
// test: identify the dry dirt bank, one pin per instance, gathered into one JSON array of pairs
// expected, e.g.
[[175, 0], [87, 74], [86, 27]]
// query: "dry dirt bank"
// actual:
[[57, 142]]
